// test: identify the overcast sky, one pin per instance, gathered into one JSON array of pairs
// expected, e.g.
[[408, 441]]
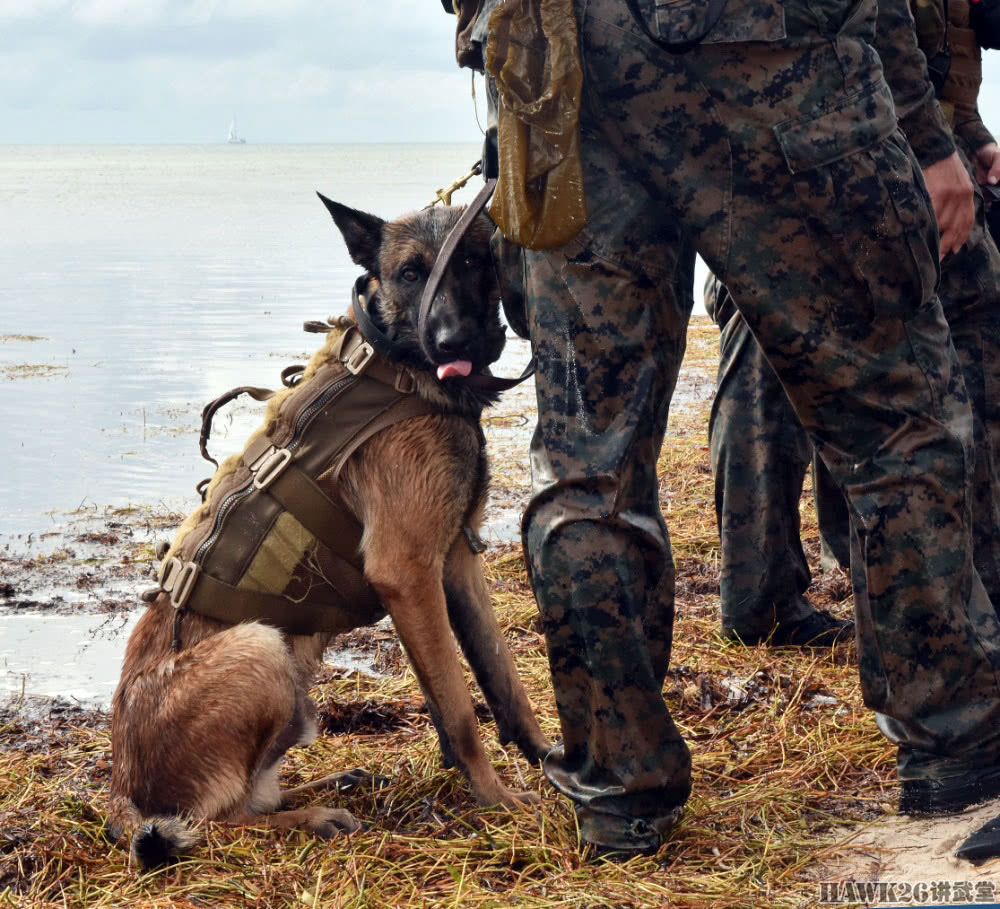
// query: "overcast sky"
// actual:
[[177, 71]]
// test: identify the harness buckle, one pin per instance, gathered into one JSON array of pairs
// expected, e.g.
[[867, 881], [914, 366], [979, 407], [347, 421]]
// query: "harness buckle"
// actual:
[[271, 467], [184, 584], [405, 382], [359, 358], [178, 580], [168, 573]]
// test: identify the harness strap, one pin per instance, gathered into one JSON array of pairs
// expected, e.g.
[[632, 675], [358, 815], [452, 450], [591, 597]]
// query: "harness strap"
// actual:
[[325, 518], [220, 601], [292, 375], [412, 406], [357, 354]]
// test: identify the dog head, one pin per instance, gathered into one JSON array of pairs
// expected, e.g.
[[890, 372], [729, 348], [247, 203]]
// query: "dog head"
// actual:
[[464, 333]]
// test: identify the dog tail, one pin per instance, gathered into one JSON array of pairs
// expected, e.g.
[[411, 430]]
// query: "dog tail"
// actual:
[[160, 840], [155, 840]]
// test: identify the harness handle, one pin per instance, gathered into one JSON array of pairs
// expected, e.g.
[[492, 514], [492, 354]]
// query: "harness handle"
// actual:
[[212, 407]]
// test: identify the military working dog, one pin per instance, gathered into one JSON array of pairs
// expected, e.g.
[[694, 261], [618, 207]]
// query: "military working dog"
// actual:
[[205, 708]]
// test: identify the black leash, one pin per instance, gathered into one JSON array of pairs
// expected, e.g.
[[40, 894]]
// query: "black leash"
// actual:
[[378, 339], [480, 381]]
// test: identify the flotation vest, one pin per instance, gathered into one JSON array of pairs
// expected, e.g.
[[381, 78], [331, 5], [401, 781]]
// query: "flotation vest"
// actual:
[[270, 543]]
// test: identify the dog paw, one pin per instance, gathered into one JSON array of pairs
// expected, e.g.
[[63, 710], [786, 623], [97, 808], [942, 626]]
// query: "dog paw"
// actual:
[[332, 822], [515, 798], [351, 779], [535, 749], [510, 798]]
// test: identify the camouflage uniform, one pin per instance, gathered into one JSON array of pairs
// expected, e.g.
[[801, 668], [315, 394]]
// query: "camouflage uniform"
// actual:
[[760, 451], [760, 454], [773, 146]]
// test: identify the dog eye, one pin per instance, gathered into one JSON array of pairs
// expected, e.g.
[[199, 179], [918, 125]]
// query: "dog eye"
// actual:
[[409, 274]]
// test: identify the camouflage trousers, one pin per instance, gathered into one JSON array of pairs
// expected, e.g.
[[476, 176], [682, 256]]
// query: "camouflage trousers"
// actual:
[[760, 452], [774, 150]]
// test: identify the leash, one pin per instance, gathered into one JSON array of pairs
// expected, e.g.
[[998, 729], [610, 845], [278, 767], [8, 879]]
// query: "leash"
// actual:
[[444, 195], [378, 339], [480, 382]]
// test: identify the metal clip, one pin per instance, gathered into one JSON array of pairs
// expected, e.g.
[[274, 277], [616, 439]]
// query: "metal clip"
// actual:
[[359, 359], [271, 467], [184, 584]]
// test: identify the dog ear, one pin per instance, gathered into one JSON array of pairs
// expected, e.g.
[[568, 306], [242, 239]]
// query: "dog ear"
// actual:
[[362, 232]]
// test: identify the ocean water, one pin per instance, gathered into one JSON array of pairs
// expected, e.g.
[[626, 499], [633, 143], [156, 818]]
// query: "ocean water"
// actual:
[[150, 280], [136, 284]]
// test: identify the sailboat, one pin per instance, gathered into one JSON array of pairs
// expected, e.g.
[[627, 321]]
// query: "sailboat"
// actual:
[[233, 138]]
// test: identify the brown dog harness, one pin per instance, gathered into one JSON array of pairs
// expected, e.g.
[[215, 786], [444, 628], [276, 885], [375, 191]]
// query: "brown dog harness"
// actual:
[[275, 546]]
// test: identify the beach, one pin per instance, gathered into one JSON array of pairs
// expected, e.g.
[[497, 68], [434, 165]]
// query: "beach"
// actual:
[[142, 282]]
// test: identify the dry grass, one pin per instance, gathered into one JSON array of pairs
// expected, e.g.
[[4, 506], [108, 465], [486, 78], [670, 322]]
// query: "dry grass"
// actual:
[[784, 754]]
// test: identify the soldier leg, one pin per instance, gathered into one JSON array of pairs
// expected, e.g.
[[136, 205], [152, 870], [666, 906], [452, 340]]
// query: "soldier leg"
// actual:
[[830, 252], [970, 297], [608, 320], [760, 454], [759, 457], [833, 518], [897, 437]]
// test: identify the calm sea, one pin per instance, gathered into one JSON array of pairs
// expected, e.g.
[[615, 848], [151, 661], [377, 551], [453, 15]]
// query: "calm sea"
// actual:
[[153, 279]]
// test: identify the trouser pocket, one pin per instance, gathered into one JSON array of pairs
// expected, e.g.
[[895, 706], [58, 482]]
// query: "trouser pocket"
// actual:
[[681, 21]]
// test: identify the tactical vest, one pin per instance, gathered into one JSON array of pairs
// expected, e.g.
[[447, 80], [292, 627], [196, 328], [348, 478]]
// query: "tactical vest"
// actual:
[[270, 544]]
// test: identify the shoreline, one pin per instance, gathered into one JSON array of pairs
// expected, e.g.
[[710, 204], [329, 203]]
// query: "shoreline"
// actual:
[[788, 763]]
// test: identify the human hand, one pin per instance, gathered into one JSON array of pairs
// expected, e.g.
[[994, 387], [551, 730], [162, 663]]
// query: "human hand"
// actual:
[[953, 199], [987, 161]]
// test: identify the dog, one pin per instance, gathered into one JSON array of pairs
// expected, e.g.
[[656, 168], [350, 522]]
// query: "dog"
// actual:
[[200, 734]]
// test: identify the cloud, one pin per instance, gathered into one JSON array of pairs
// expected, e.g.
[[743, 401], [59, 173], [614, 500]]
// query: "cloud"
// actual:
[[119, 12], [172, 70], [30, 9], [291, 70]]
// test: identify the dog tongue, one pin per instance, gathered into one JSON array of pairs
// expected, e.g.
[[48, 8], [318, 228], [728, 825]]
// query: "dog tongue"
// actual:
[[455, 368]]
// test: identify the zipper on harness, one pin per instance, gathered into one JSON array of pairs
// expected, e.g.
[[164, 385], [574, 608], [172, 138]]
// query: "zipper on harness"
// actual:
[[309, 412], [220, 516]]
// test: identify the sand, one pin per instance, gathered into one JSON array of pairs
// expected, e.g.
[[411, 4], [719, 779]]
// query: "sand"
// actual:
[[904, 850]]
